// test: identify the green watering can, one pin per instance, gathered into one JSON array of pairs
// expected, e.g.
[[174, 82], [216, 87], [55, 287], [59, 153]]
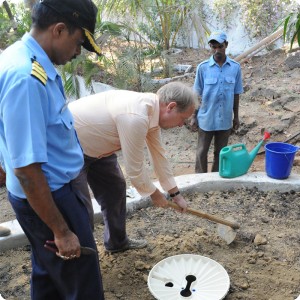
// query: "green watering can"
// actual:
[[235, 160]]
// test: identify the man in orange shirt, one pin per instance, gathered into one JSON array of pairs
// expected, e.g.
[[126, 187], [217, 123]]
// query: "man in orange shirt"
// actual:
[[125, 120]]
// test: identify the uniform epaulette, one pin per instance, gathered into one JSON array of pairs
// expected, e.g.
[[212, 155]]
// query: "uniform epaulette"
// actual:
[[38, 72]]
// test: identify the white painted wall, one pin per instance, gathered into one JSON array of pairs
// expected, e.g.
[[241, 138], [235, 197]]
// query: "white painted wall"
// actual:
[[97, 88], [238, 38]]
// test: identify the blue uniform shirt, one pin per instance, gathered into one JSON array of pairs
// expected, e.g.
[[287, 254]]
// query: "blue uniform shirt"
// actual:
[[217, 86], [35, 124]]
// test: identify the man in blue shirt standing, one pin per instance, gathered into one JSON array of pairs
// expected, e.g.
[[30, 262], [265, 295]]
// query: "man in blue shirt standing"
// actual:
[[41, 152], [218, 82]]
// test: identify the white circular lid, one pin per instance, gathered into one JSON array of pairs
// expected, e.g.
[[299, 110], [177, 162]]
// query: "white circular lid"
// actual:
[[188, 276]]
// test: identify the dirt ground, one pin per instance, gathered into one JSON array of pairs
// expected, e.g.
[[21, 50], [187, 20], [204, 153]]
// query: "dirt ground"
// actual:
[[263, 262]]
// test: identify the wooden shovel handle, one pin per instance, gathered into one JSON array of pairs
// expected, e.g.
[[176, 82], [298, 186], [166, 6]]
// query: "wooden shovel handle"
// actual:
[[204, 215]]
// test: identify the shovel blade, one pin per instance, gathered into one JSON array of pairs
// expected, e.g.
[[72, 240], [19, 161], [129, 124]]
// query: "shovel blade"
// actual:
[[227, 233]]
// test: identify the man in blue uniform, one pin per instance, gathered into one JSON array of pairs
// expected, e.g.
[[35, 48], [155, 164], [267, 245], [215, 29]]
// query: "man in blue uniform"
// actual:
[[218, 82], [41, 152]]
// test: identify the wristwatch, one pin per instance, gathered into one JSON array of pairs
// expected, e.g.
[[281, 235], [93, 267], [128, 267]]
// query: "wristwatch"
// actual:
[[174, 194]]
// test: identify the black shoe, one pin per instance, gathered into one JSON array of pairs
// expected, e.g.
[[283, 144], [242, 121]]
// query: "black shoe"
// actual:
[[132, 244]]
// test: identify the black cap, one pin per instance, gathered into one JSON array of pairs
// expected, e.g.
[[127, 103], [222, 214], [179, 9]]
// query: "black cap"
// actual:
[[81, 13]]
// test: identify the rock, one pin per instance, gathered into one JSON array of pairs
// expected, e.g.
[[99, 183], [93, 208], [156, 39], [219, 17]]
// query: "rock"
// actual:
[[292, 106], [169, 238], [265, 93], [252, 261], [106, 265], [247, 87], [264, 220], [260, 240], [293, 60], [139, 265], [246, 237], [297, 161], [200, 231], [119, 295], [243, 285], [283, 101], [260, 254], [289, 118]]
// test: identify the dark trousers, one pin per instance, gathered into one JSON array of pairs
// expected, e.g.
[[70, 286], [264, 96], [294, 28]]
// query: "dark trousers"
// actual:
[[52, 277], [221, 138], [108, 185]]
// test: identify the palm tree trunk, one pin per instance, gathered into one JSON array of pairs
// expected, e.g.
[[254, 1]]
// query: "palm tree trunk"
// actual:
[[9, 13], [7, 8]]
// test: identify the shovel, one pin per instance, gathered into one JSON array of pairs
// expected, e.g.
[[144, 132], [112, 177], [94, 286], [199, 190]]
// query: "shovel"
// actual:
[[225, 228]]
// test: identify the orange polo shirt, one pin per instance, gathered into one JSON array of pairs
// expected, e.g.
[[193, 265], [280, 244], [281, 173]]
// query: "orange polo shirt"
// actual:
[[109, 121]]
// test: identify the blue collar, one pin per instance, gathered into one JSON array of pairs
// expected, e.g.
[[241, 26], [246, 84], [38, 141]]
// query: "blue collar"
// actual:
[[213, 62], [39, 54]]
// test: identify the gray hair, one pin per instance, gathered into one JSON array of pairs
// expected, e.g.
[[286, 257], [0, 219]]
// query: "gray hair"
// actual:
[[178, 92]]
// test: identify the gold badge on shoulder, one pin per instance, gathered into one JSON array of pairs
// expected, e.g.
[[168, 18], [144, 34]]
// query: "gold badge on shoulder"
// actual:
[[38, 72]]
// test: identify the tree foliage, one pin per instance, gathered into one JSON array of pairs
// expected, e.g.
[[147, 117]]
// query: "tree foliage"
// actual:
[[147, 29], [158, 20], [15, 20], [291, 27]]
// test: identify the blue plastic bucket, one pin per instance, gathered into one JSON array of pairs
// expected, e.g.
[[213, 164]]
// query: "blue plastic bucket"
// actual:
[[279, 159]]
